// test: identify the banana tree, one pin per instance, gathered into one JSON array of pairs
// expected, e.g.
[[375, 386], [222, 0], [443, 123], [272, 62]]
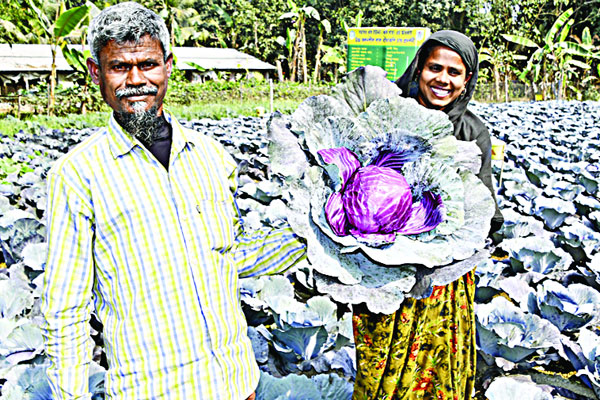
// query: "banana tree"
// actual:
[[76, 58], [15, 24], [543, 63], [356, 22], [55, 33], [299, 16], [229, 23], [554, 57], [500, 60], [571, 67], [12, 34], [584, 48], [334, 56], [288, 44], [180, 17], [324, 28]]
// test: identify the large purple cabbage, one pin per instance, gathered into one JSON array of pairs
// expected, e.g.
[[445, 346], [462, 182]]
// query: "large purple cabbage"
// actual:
[[375, 202], [374, 180]]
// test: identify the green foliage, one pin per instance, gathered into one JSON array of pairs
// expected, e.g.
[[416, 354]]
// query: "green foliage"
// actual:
[[227, 98], [68, 21], [182, 92], [77, 60], [10, 125], [250, 26], [18, 24], [180, 16], [9, 166], [299, 16], [303, 40], [55, 27], [553, 58], [78, 98], [14, 27], [530, 19], [212, 99]]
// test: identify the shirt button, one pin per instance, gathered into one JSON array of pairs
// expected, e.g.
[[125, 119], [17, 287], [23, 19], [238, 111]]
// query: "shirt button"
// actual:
[[198, 209]]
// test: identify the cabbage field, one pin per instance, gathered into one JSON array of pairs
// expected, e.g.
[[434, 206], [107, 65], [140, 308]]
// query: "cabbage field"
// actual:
[[538, 296]]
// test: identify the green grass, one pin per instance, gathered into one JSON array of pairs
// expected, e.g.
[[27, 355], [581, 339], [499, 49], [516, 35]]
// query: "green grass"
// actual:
[[215, 100], [10, 125], [231, 109], [224, 99]]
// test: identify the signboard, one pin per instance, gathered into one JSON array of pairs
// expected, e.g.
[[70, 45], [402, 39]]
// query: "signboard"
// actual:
[[389, 48], [498, 147]]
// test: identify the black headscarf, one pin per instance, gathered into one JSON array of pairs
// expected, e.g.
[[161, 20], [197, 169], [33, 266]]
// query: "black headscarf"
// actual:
[[467, 126]]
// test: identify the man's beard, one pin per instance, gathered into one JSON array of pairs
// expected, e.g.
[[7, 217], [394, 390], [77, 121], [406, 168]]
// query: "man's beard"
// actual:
[[145, 125]]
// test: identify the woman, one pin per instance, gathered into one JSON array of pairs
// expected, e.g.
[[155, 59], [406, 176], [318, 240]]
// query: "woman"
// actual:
[[426, 350]]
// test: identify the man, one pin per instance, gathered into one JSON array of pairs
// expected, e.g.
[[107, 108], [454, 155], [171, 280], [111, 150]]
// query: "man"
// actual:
[[143, 227]]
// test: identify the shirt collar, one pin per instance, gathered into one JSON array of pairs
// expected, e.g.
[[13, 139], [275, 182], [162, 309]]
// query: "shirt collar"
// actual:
[[122, 143]]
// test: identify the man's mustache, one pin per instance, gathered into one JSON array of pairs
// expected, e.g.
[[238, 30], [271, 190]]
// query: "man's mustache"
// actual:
[[135, 91]]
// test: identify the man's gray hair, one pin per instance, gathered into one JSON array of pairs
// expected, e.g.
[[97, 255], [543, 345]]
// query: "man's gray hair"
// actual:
[[125, 22]]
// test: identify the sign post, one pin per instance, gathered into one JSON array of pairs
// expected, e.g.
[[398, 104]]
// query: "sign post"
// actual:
[[389, 48]]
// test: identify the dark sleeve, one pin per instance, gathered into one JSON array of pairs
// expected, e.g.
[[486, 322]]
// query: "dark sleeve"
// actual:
[[482, 136]]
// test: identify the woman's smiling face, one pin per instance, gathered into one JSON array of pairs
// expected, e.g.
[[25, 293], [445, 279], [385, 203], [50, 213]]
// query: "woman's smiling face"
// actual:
[[442, 79]]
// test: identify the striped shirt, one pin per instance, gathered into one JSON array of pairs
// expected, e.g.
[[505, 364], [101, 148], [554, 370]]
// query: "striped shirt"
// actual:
[[158, 255]]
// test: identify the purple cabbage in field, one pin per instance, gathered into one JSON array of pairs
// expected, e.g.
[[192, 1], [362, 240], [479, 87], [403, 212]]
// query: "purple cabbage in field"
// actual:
[[373, 180], [375, 201]]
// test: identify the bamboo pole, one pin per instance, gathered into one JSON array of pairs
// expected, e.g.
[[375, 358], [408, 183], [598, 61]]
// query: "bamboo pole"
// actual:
[[271, 94]]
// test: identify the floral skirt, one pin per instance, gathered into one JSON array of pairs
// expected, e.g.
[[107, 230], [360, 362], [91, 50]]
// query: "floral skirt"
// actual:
[[426, 350]]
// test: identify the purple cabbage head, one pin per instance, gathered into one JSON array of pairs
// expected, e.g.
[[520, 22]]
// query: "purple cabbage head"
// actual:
[[375, 202]]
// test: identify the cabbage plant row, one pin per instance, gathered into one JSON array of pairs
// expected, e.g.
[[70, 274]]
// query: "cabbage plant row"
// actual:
[[537, 297]]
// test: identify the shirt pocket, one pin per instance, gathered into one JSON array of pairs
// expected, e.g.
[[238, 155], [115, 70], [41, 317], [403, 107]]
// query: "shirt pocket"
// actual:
[[215, 219]]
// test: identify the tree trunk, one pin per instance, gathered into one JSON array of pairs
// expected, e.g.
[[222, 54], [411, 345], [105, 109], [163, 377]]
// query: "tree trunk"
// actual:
[[561, 84], [233, 39], [52, 82], [304, 66], [506, 77], [297, 57], [295, 62], [172, 35], [497, 83], [256, 36], [318, 59], [279, 70]]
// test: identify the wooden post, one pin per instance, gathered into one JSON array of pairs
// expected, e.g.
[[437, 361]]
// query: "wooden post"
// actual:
[[500, 180], [271, 93]]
